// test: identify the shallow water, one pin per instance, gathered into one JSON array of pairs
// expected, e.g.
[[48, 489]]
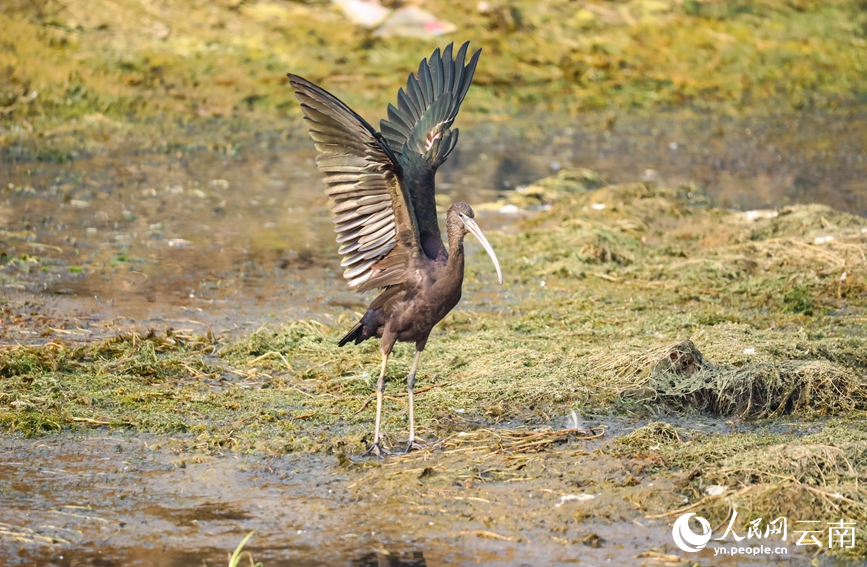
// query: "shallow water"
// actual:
[[188, 241], [203, 240], [127, 501]]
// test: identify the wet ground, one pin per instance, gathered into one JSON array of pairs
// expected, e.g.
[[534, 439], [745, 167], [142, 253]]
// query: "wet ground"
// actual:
[[228, 242], [113, 500]]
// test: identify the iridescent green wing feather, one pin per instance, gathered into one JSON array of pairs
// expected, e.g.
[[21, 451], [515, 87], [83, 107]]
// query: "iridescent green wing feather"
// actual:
[[418, 128]]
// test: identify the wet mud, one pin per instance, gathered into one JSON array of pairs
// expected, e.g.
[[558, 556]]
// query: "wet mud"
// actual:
[[115, 500]]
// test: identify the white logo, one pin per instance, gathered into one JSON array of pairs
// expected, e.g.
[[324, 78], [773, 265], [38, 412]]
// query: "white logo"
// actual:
[[684, 537]]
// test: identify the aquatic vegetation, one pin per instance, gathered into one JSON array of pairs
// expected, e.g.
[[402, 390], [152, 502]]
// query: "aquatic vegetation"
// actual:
[[656, 307], [239, 554]]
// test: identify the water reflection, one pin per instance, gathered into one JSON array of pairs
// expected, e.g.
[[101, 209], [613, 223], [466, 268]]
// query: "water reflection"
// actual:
[[406, 559]]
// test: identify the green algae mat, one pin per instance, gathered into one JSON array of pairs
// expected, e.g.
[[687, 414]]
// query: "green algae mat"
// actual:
[[79, 75]]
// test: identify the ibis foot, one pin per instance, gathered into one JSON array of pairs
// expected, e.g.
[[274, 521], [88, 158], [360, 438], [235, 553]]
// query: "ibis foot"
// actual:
[[377, 450], [415, 445]]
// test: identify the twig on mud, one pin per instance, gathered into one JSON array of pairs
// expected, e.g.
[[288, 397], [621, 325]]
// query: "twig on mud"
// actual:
[[68, 332], [57, 249], [243, 421], [833, 257], [272, 353], [308, 394], [93, 421], [196, 374], [364, 405], [700, 502], [829, 495], [303, 416], [604, 276], [491, 535], [548, 437]]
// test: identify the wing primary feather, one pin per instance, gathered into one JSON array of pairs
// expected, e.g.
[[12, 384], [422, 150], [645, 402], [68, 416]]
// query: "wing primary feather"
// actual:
[[425, 82], [405, 106], [373, 226], [358, 270], [391, 130], [348, 248], [397, 116], [468, 78], [436, 66], [349, 221], [349, 260], [448, 69], [346, 237], [386, 213], [415, 96], [378, 253], [361, 280], [459, 66], [345, 206], [378, 242], [374, 236], [372, 208]]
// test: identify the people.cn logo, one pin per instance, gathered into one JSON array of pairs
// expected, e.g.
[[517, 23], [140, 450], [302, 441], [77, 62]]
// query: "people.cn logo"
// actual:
[[685, 538]]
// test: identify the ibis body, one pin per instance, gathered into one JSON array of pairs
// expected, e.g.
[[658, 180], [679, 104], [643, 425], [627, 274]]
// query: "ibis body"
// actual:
[[382, 188]]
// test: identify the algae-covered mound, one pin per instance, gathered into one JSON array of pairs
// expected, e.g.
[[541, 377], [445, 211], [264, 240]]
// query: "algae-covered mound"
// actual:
[[545, 192], [771, 299], [679, 376], [797, 259]]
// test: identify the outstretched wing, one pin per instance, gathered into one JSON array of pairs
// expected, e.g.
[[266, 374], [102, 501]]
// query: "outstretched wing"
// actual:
[[418, 128], [375, 222]]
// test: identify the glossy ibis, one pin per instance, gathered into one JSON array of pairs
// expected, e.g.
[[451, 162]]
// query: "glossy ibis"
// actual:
[[382, 188]]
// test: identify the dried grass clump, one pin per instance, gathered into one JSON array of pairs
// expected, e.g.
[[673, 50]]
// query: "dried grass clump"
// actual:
[[549, 190], [679, 376], [805, 221], [802, 480], [133, 354], [650, 437], [124, 381], [817, 465]]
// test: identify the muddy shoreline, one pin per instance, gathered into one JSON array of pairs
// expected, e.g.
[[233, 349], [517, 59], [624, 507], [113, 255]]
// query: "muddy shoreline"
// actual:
[[114, 500], [761, 410]]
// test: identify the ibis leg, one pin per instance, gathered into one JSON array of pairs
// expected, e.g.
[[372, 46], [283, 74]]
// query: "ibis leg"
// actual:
[[376, 448], [410, 385]]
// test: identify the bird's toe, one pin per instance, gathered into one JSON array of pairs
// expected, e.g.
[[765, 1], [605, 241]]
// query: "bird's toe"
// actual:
[[377, 450], [415, 445]]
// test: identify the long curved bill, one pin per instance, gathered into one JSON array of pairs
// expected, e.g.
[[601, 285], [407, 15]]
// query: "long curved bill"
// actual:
[[473, 227]]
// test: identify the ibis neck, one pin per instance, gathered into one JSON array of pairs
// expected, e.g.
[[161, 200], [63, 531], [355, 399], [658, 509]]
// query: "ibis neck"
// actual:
[[456, 255]]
